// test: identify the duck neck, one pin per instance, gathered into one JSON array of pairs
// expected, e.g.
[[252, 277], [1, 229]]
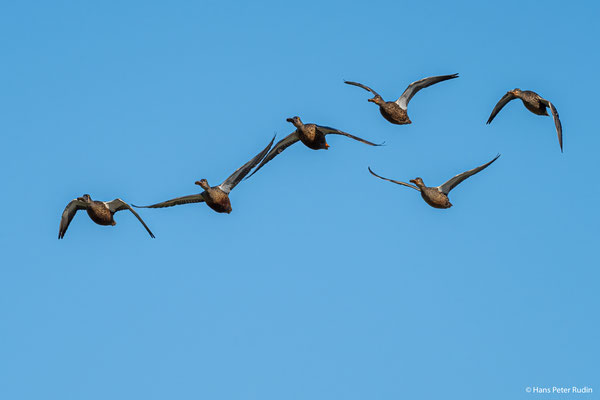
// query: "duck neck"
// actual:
[[203, 184], [378, 100]]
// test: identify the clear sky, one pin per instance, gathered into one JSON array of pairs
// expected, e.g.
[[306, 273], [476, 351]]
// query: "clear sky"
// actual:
[[324, 282]]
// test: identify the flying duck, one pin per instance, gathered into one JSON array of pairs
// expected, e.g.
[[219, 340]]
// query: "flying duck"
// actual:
[[534, 103], [312, 135], [395, 111], [216, 197], [101, 212], [437, 197]]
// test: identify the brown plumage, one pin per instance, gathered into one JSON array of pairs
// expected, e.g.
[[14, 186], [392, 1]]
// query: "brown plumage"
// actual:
[[216, 197], [100, 212], [437, 197], [396, 111], [534, 103], [312, 135]]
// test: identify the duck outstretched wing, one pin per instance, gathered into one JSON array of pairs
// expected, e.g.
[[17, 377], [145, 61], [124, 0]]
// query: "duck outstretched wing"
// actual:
[[453, 182], [193, 198], [505, 99], [414, 87], [557, 123], [393, 181], [277, 149], [326, 130], [119, 205], [242, 171], [360, 85], [68, 214]]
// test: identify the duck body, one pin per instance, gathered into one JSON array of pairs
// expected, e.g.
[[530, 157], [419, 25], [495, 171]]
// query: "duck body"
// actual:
[[394, 113], [532, 101], [312, 138], [434, 197], [217, 200], [99, 212]]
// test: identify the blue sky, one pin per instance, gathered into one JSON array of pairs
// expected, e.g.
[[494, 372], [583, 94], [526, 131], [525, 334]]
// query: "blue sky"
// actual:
[[324, 282]]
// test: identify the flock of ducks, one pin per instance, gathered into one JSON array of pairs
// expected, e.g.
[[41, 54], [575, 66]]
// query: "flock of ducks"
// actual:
[[313, 136]]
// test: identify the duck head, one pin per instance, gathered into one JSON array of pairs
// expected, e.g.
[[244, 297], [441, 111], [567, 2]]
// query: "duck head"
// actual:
[[203, 183], [295, 120], [85, 198], [418, 181], [377, 100]]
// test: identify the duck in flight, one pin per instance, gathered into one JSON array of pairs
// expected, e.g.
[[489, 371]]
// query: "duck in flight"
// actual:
[[396, 111], [101, 212], [437, 197], [312, 135], [534, 103], [216, 197]]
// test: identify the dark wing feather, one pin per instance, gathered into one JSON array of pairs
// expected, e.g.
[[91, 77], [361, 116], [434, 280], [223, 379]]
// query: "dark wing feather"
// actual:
[[505, 99], [68, 214], [278, 148], [193, 198], [556, 122], [397, 182], [558, 125], [241, 172], [362, 86], [414, 87], [327, 130], [451, 184], [119, 205]]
